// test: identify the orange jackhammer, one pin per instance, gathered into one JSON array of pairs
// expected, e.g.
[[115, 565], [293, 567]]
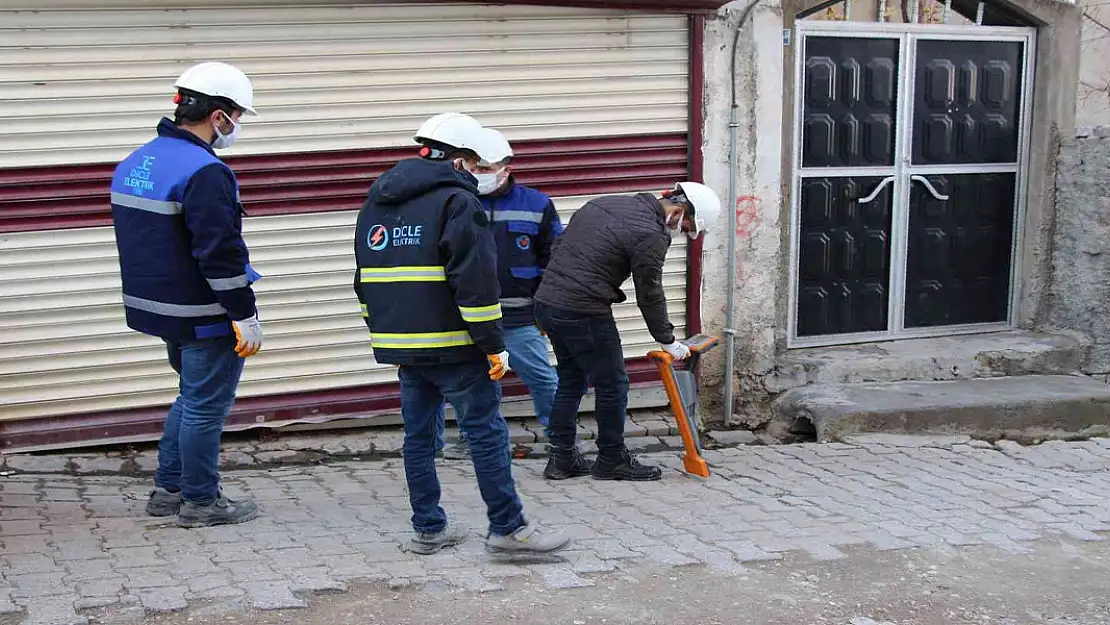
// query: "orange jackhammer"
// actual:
[[681, 383]]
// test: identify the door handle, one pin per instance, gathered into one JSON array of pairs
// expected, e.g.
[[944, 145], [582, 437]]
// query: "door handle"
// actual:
[[879, 189], [929, 187]]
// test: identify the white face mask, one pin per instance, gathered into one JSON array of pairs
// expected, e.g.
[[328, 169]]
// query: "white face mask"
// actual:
[[223, 141], [489, 183]]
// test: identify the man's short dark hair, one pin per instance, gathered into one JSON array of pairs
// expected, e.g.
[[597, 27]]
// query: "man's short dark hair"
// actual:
[[193, 107]]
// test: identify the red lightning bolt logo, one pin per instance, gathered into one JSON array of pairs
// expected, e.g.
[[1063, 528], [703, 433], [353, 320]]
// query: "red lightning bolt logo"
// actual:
[[376, 237]]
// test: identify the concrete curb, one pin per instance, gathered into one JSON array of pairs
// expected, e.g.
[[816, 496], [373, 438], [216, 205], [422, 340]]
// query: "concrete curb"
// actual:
[[646, 431]]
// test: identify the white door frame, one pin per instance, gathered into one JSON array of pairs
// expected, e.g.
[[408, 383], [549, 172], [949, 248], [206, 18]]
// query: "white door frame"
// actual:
[[902, 169]]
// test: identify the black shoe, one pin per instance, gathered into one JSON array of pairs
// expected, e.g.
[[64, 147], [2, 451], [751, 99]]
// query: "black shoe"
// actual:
[[565, 464], [624, 466]]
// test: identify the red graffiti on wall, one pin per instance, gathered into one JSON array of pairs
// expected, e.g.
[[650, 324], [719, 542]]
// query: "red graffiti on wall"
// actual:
[[748, 215], [748, 220]]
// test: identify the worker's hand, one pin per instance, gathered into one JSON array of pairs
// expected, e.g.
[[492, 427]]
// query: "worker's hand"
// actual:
[[498, 365], [540, 328], [248, 336], [677, 350]]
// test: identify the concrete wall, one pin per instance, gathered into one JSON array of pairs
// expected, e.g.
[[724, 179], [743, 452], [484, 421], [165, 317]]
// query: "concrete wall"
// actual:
[[1081, 254], [760, 216], [764, 77]]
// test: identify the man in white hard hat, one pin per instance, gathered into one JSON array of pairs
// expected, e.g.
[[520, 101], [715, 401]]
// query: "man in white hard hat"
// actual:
[[187, 280], [608, 240], [427, 281], [524, 225]]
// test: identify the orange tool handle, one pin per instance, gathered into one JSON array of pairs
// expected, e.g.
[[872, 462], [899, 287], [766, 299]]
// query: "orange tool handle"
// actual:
[[693, 461]]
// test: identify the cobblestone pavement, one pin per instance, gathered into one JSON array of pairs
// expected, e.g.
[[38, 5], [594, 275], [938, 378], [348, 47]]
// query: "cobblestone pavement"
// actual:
[[76, 543]]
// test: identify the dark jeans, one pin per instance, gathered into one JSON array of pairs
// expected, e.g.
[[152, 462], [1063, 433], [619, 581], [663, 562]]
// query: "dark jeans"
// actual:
[[587, 347], [189, 452], [477, 403]]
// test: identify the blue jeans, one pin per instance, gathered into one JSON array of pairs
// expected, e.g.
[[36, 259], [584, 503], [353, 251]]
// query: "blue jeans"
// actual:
[[587, 347], [477, 403], [189, 452], [528, 357]]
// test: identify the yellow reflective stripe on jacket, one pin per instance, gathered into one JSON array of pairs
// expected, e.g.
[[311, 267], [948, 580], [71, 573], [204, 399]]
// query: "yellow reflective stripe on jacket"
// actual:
[[429, 273], [420, 340], [365, 311], [478, 314]]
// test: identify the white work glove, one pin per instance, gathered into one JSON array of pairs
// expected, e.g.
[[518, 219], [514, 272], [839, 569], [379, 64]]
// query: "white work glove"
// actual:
[[498, 365], [677, 350], [248, 336]]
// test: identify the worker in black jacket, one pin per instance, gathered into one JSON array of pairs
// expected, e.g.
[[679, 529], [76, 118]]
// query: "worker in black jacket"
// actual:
[[607, 240], [427, 282]]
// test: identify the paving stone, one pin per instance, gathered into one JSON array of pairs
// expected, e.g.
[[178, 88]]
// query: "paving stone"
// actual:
[[269, 457], [37, 464], [734, 437], [134, 557], [562, 577], [56, 610], [163, 599], [97, 464], [37, 584], [30, 563], [21, 528], [657, 428], [388, 443], [240, 460], [668, 556], [262, 596], [470, 580], [106, 587], [316, 579], [89, 603]]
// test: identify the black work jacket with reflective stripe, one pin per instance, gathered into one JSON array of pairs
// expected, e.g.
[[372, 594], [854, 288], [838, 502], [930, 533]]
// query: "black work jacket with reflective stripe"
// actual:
[[427, 267]]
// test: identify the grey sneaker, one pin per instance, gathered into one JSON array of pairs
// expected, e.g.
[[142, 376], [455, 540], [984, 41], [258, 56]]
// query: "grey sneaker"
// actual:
[[527, 539], [458, 451], [163, 503], [223, 511], [427, 543]]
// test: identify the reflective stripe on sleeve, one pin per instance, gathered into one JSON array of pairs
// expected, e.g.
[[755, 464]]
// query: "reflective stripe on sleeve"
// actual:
[[420, 340], [228, 284], [402, 274], [365, 311], [478, 314], [161, 207], [173, 310]]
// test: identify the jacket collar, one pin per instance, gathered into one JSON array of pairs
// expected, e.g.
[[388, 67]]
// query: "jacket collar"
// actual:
[[654, 205], [166, 128]]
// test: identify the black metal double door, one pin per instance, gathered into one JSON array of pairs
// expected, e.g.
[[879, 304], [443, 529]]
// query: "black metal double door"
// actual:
[[907, 181]]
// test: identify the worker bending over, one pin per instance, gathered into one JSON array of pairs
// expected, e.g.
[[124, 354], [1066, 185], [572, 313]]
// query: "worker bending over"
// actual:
[[607, 240]]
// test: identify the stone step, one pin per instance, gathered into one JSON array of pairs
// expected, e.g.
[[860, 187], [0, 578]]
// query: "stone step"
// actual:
[[986, 407], [995, 354]]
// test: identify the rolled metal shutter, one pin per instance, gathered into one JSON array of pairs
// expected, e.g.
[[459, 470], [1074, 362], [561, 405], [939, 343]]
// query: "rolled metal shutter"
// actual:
[[81, 88]]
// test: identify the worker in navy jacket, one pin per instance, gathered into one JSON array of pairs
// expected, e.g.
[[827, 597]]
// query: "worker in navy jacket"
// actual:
[[187, 280], [524, 225], [427, 281]]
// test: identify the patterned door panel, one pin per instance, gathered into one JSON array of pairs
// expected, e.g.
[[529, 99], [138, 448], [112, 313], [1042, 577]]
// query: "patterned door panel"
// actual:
[[958, 253], [967, 102], [844, 260], [850, 93]]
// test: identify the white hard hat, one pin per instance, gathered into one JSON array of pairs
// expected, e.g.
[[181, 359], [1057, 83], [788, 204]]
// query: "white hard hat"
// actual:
[[492, 147], [706, 203], [455, 130], [219, 80]]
